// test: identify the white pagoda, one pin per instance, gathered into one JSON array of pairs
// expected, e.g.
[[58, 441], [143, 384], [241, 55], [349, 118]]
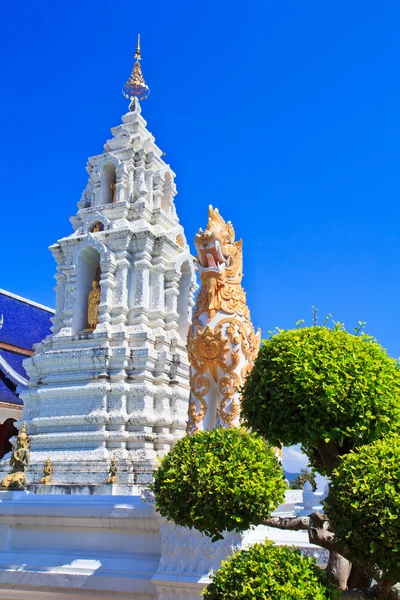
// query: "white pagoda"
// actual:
[[117, 386]]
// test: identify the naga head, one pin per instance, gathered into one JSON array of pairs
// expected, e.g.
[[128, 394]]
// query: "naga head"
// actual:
[[218, 254]]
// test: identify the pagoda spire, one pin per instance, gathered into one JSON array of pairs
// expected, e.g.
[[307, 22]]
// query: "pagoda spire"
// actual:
[[136, 86]]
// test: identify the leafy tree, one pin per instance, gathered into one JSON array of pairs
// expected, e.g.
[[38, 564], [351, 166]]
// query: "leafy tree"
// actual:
[[363, 505], [302, 477], [272, 573], [334, 393], [323, 388]]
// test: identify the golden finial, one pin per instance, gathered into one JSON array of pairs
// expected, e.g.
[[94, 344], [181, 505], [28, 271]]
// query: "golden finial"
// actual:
[[136, 86], [138, 56]]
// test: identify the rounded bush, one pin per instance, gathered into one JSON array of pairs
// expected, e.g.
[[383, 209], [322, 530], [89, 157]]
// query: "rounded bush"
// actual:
[[318, 383], [268, 572], [363, 504], [222, 479]]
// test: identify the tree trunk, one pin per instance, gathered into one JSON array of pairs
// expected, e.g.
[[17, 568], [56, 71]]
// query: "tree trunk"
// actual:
[[358, 578], [329, 455], [385, 587], [338, 570]]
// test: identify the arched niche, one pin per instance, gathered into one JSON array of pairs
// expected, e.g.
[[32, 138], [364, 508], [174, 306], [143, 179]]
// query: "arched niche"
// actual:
[[87, 271], [7, 431], [166, 198], [108, 182], [185, 283], [96, 226]]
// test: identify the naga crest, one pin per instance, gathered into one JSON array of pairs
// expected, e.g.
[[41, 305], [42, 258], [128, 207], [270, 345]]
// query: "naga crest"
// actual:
[[220, 267], [222, 344]]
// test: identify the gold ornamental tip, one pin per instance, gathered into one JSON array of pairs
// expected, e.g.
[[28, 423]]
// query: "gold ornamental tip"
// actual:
[[136, 86], [138, 56]]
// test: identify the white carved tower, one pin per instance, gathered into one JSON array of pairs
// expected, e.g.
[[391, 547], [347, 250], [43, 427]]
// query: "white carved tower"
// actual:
[[120, 389]]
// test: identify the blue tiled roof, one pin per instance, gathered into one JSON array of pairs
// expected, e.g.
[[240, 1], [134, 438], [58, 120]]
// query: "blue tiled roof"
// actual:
[[6, 395], [24, 324]]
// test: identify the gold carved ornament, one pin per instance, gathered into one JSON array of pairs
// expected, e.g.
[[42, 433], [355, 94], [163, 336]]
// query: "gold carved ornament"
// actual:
[[19, 462], [208, 347], [208, 350]]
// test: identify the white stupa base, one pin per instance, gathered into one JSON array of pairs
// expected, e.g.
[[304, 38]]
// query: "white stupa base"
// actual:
[[108, 547]]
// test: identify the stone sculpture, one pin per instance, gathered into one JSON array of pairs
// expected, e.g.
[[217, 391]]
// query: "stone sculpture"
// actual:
[[19, 462], [222, 344]]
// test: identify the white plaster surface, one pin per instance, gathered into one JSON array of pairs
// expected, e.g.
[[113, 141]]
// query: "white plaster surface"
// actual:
[[53, 546]]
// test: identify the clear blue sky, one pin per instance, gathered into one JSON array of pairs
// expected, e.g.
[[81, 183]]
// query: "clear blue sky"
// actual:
[[285, 115]]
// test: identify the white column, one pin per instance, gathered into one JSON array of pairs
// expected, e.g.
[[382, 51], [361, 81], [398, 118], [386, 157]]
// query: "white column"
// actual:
[[107, 285], [171, 299], [120, 305]]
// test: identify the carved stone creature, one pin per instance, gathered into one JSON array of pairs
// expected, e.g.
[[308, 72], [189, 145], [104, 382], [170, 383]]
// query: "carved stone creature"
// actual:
[[222, 344], [19, 462]]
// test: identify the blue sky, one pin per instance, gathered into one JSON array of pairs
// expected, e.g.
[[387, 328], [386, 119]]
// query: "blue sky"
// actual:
[[284, 115]]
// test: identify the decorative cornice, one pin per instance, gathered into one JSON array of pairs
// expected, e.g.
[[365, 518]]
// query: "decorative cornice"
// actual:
[[11, 405], [16, 349]]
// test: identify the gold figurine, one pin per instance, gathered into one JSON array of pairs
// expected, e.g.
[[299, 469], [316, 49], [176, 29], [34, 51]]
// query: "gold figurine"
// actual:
[[113, 186], [93, 305], [97, 227], [112, 478], [19, 462], [47, 471]]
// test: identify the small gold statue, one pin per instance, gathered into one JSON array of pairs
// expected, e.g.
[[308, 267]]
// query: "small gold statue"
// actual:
[[179, 240], [113, 186], [47, 471], [93, 305], [97, 227], [19, 462], [112, 478]]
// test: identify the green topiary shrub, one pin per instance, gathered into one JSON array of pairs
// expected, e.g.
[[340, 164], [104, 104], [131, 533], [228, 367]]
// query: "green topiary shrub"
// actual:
[[363, 504], [319, 383], [219, 479], [269, 572]]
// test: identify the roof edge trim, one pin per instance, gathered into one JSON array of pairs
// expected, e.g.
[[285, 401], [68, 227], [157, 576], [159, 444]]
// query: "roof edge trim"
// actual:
[[31, 302], [12, 373]]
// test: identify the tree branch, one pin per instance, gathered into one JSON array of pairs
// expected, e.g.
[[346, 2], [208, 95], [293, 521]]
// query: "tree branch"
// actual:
[[289, 523], [320, 534]]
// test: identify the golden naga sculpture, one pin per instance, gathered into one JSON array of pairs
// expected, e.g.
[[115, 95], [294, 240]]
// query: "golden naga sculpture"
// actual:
[[19, 462], [112, 477], [93, 305], [47, 472], [222, 344]]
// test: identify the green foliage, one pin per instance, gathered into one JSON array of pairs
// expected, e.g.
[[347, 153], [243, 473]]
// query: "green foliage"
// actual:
[[269, 572], [302, 477], [219, 479], [320, 383], [363, 504]]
